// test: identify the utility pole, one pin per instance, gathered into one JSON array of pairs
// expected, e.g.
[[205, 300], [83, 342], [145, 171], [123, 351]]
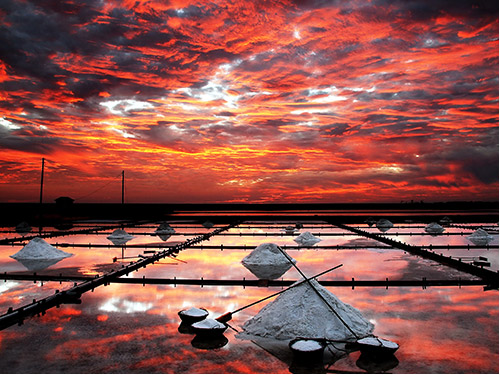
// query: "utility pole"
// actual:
[[123, 187], [40, 227], [41, 181]]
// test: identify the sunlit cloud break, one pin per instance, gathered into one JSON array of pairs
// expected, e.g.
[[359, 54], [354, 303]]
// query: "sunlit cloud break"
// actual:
[[271, 101]]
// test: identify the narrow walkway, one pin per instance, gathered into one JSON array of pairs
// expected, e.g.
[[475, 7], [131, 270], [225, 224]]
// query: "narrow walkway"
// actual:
[[424, 283]]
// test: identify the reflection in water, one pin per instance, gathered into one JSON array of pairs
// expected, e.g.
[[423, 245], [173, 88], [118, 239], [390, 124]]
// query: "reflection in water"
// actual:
[[209, 343], [38, 264], [376, 365], [439, 329]]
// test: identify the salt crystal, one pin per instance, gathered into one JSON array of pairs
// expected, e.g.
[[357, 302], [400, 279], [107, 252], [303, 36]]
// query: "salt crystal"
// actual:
[[208, 324], [306, 345], [300, 312]]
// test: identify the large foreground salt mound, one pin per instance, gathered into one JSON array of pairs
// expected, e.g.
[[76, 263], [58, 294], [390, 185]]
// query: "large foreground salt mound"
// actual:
[[39, 249], [300, 312], [266, 261], [307, 239]]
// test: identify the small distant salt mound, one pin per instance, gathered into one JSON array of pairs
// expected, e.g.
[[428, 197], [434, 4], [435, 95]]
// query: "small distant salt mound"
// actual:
[[370, 221], [445, 220], [266, 261], [384, 225], [434, 228], [307, 239], [480, 237], [289, 229], [23, 228], [164, 231], [38, 248], [300, 312], [208, 224], [165, 228], [119, 237]]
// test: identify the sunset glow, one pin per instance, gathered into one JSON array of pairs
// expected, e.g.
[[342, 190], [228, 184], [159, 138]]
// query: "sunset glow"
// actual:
[[241, 101]]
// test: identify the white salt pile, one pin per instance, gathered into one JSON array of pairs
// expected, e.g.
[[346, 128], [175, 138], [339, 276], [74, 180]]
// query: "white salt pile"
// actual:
[[119, 234], [208, 224], [39, 249], [300, 312], [307, 239], [165, 228], [266, 261], [480, 237], [119, 237], [164, 231], [434, 228], [23, 228], [208, 324], [384, 225], [194, 312], [306, 345], [445, 220]]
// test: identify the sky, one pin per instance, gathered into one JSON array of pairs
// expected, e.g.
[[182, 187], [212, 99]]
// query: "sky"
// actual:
[[249, 101]]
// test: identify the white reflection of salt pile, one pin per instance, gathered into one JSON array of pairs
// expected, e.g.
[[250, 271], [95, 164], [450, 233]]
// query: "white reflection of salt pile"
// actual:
[[38, 255], [119, 237], [384, 225], [266, 261], [300, 312], [307, 239], [480, 237], [434, 228]]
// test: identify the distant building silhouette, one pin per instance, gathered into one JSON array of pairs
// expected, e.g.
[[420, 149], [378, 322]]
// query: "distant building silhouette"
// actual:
[[64, 201]]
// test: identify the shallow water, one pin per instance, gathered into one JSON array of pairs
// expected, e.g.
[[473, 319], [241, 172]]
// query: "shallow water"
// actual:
[[131, 328]]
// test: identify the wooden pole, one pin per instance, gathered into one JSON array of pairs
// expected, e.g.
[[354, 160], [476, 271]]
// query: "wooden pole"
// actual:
[[40, 226], [123, 187], [41, 181]]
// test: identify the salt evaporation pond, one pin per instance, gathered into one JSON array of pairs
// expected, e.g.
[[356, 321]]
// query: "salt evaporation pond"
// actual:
[[439, 329]]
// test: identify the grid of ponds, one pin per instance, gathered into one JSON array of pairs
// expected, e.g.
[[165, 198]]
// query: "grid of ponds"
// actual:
[[134, 328]]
